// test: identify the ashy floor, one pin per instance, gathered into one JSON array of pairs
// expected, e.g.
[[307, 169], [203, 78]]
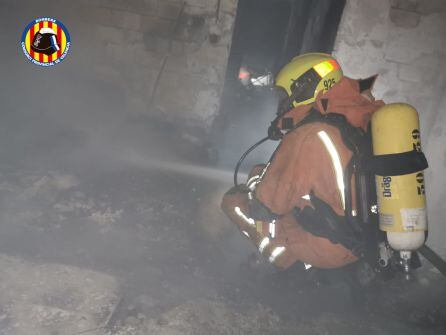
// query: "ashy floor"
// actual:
[[135, 251]]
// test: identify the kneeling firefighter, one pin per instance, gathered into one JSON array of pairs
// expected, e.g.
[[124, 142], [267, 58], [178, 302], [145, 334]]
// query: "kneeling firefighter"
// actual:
[[313, 201]]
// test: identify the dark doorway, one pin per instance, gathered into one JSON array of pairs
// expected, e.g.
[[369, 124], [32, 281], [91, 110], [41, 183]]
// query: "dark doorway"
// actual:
[[267, 35]]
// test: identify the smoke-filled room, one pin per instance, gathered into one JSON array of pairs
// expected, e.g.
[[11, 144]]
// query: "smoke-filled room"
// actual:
[[222, 167]]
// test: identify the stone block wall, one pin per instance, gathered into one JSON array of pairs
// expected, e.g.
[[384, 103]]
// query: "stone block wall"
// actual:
[[169, 57], [404, 42]]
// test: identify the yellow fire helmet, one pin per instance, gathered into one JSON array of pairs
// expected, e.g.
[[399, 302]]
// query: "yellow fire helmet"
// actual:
[[305, 76]]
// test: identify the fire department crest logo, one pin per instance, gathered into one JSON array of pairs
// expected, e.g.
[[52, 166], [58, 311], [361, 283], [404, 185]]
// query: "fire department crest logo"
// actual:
[[45, 41]]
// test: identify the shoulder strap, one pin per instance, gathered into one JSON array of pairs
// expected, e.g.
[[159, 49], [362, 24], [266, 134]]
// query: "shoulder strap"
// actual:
[[353, 137]]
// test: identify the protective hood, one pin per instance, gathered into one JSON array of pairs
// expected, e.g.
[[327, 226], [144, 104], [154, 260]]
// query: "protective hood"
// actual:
[[349, 97]]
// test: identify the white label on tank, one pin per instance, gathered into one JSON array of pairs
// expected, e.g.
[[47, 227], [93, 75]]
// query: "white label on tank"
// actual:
[[386, 219], [414, 219]]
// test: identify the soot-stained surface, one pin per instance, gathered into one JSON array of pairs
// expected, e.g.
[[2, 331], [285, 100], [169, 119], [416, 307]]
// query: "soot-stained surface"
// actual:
[[137, 251]]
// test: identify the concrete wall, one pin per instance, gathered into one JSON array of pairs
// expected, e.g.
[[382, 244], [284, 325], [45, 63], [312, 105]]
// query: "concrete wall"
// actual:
[[404, 42]]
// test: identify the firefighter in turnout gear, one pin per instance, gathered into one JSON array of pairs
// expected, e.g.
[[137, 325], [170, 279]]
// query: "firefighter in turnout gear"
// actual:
[[300, 206]]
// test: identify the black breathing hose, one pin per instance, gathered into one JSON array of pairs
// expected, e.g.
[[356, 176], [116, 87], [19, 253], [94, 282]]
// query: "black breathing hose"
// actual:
[[280, 114], [237, 167]]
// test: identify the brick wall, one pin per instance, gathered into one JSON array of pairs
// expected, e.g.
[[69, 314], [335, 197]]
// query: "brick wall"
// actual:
[[404, 41]]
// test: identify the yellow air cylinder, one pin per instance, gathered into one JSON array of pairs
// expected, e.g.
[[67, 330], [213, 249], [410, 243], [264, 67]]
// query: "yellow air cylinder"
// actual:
[[401, 199]]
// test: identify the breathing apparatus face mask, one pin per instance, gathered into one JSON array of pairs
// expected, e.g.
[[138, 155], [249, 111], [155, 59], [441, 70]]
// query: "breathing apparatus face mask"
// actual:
[[283, 101]]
